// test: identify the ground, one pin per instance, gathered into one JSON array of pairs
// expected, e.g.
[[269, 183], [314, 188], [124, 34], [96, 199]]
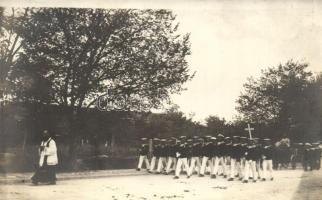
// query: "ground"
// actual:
[[287, 185]]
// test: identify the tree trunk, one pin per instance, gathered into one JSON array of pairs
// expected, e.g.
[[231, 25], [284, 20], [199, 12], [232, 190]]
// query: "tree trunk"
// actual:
[[112, 144], [72, 138], [3, 139], [25, 137], [150, 147]]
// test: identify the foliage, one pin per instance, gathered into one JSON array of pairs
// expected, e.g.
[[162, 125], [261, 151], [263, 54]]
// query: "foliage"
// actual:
[[172, 123], [73, 56], [285, 97], [215, 125], [11, 22]]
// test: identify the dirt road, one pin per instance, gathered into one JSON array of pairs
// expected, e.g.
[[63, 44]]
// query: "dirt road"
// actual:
[[287, 185]]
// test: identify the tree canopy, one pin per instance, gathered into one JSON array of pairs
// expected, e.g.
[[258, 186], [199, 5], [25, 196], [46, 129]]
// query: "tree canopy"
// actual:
[[285, 97], [73, 56], [11, 21]]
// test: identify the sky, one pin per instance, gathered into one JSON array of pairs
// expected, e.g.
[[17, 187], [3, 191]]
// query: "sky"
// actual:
[[230, 41]]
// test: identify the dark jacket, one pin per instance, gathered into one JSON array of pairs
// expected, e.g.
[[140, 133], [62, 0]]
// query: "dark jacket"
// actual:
[[268, 151], [144, 150], [207, 149], [183, 151]]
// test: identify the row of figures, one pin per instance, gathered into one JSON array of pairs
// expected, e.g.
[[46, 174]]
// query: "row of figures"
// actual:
[[311, 155], [236, 158]]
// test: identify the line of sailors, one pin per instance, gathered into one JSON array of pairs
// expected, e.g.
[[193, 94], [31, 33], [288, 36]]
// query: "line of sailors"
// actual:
[[311, 155], [307, 154], [236, 157]]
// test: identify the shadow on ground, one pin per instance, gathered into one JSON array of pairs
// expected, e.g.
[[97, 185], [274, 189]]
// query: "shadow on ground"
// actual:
[[310, 187]]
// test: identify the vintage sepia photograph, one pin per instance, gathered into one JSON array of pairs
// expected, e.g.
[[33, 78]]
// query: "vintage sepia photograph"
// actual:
[[171, 100]]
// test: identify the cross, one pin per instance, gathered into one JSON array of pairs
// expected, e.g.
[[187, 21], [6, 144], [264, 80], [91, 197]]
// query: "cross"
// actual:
[[249, 129]]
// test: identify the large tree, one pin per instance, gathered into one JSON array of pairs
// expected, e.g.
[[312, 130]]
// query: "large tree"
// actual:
[[81, 53], [11, 21], [314, 119], [281, 98], [73, 56]]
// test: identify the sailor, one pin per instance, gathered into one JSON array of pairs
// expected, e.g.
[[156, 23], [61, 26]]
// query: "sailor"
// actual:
[[307, 157], [182, 156], [195, 164], [156, 154], [258, 158], [143, 154], [189, 150], [206, 155], [171, 153], [219, 160], [240, 154], [187, 142], [162, 156], [234, 159], [319, 155], [316, 156], [267, 156], [250, 163], [242, 151], [226, 155], [189, 146], [297, 153], [214, 156]]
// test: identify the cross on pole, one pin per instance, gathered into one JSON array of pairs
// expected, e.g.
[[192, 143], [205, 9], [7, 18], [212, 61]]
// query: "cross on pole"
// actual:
[[249, 129]]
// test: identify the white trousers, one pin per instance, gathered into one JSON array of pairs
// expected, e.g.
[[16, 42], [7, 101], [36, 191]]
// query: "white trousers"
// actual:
[[184, 168], [161, 163], [204, 165], [225, 166], [172, 161], [238, 168], [267, 166], [180, 162], [242, 167], [193, 165], [153, 160], [250, 168], [259, 169], [219, 161], [232, 167], [143, 159], [214, 169]]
